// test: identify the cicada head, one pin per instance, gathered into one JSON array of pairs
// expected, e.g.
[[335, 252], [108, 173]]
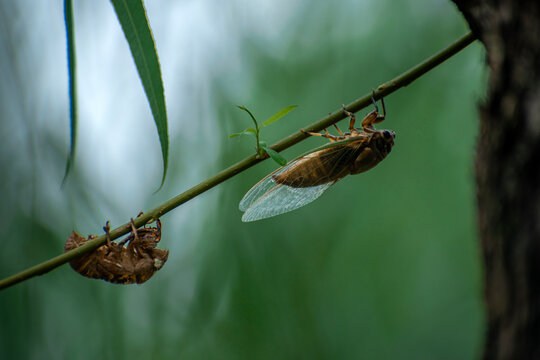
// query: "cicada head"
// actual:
[[386, 142]]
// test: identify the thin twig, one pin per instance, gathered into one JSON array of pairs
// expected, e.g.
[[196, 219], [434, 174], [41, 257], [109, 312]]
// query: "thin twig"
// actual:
[[383, 90]]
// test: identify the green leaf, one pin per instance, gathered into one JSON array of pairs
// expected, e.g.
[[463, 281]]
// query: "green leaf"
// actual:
[[248, 131], [132, 17], [72, 66], [275, 156], [250, 114], [281, 113]]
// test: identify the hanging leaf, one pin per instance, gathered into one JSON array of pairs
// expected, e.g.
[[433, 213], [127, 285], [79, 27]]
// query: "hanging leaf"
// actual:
[[72, 78], [132, 17]]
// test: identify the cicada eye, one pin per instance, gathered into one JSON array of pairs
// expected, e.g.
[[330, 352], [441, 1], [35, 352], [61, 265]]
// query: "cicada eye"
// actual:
[[388, 135]]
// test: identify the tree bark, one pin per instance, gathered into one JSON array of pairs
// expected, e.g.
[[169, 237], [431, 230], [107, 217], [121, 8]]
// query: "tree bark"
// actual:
[[508, 174]]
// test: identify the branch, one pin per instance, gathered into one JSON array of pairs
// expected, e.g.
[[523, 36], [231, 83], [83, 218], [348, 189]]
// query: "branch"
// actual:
[[383, 90]]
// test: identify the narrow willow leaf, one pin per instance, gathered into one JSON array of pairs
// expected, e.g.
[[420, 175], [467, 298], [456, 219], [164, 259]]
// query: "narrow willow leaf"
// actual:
[[72, 66], [281, 113], [250, 114], [132, 17], [275, 156]]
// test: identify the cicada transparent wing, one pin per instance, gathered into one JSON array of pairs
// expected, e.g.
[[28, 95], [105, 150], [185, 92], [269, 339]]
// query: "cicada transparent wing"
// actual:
[[268, 198], [282, 199], [260, 189]]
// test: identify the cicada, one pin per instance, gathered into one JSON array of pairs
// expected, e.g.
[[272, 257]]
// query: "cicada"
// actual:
[[119, 264], [304, 179]]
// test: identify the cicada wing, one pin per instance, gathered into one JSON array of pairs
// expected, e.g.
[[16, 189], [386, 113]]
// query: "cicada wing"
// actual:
[[261, 188], [281, 199]]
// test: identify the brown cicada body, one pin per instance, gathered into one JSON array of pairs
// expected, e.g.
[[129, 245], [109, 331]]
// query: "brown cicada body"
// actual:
[[133, 260], [305, 179]]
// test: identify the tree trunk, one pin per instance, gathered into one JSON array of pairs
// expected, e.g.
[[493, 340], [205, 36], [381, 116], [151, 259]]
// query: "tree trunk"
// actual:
[[508, 174]]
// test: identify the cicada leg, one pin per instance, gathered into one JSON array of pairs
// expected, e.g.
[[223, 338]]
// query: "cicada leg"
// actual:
[[373, 100], [107, 228], [133, 229], [373, 117], [158, 224], [375, 104], [325, 135], [353, 118], [338, 130], [134, 237]]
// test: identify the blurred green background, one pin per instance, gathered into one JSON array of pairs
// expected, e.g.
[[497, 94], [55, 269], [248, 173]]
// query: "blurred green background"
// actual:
[[385, 265]]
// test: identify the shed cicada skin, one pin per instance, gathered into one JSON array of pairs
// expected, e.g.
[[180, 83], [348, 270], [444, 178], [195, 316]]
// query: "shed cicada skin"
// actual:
[[304, 179], [132, 260]]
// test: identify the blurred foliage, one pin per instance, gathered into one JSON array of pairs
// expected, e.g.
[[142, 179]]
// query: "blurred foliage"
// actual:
[[384, 265]]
